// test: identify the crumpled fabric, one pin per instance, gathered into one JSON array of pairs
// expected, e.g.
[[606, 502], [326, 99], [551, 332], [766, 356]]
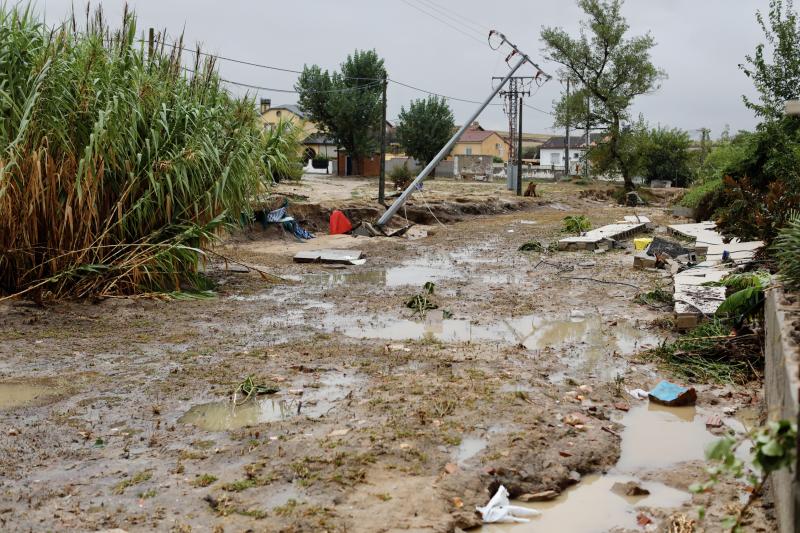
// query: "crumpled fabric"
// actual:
[[500, 510], [277, 215]]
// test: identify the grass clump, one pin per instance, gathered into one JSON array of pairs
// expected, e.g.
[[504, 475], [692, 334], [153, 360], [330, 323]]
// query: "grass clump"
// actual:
[[136, 479], [658, 297], [204, 480], [576, 224], [117, 164], [710, 353]]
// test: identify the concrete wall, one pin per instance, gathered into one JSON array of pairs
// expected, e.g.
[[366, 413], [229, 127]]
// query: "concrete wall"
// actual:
[[443, 170], [782, 387]]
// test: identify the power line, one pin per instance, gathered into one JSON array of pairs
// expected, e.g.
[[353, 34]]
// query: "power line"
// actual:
[[294, 91], [469, 23], [446, 23], [232, 60]]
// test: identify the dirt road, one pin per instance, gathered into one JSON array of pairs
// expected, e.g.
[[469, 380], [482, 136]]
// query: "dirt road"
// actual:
[[120, 413]]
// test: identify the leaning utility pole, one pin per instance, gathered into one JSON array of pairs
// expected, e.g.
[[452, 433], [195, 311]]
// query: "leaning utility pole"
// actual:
[[449, 145], [566, 141], [588, 137], [513, 107], [382, 178]]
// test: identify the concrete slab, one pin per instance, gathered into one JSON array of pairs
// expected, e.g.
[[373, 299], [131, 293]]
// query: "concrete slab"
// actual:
[[694, 302], [592, 238], [328, 256], [705, 234], [739, 251]]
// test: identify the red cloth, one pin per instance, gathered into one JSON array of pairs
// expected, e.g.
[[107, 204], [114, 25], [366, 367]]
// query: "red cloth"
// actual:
[[339, 223]]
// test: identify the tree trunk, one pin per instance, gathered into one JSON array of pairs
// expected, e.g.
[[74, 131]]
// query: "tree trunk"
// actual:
[[615, 153]]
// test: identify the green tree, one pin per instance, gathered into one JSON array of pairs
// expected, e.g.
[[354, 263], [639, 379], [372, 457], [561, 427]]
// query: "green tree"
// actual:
[[665, 155], [778, 80], [346, 105], [425, 127], [612, 69]]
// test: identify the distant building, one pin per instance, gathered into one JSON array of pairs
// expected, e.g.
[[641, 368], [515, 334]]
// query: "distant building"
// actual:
[[552, 153], [529, 140], [477, 141], [314, 142]]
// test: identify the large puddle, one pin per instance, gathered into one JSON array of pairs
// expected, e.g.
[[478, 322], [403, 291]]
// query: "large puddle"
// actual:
[[315, 401], [593, 344], [20, 394], [655, 437], [592, 507]]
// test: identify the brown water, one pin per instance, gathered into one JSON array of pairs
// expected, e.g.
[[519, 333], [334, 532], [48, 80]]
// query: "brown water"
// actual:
[[591, 507], [19, 394], [657, 437], [317, 399]]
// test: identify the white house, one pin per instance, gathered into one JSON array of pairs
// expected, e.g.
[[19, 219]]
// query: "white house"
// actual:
[[551, 153]]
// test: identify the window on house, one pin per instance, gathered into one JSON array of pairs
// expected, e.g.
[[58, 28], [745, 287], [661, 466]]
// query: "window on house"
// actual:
[[469, 150], [278, 113]]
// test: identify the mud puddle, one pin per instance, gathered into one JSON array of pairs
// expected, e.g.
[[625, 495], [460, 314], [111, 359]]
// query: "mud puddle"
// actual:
[[316, 400], [594, 342], [655, 437], [591, 507], [14, 395]]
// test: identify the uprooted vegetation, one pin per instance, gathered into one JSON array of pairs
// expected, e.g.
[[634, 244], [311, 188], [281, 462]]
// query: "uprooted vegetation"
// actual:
[[118, 165], [726, 348]]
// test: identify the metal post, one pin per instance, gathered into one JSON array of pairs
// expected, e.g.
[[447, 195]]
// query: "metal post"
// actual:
[[588, 137], [447, 147], [382, 178], [566, 141], [519, 151]]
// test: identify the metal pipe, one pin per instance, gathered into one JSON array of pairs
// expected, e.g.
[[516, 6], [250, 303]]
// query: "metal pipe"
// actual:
[[447, 147]]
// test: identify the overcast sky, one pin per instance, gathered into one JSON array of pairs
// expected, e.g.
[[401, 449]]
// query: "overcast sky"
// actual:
[[700, 44]]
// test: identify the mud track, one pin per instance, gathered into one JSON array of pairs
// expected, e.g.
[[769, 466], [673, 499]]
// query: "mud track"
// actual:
[[119, 413]]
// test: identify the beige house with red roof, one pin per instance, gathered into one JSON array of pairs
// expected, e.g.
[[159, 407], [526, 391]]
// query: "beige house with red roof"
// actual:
[[477, 141]]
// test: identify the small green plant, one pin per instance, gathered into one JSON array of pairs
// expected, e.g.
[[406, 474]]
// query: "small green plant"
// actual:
[[204, 480], [746, 294], [774, 448], [401, 177], [576, 224], [137, 478], [654, 298], [787, 253], [618, 385], [249, 389], [532, 246], [421, 303]]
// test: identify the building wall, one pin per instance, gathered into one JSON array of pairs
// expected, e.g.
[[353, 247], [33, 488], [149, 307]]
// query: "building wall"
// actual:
[[555, 156], [273, 116], [493, 146], [370, 167], [327, 150]]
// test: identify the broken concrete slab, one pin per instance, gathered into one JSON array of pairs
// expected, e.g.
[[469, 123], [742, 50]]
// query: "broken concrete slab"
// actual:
[[345, 257], [739, 251], [705, 234], [694, 302], [591, 239], [642, 260]]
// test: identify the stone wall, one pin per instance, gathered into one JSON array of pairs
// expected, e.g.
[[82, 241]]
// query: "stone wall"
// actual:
[[782, 387]]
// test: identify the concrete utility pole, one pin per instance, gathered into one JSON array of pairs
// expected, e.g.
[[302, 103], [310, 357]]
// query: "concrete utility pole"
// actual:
[[588, 137], [519, 152], [566, 140], [382, 178], [513, 107]]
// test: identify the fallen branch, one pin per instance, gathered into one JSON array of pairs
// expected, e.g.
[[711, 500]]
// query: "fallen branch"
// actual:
[[602, 281]]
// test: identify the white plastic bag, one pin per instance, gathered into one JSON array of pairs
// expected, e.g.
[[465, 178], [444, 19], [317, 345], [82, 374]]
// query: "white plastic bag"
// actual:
[[499, 509]]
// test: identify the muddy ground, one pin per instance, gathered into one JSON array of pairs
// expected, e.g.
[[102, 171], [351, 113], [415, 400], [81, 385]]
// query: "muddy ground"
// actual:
[[119, 414]]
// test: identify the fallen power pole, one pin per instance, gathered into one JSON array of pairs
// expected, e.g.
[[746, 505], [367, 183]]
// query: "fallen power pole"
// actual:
[[387, 216]]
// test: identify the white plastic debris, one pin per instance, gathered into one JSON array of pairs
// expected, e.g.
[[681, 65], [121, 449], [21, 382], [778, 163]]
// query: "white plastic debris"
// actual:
[[639, 394], [500, 510]]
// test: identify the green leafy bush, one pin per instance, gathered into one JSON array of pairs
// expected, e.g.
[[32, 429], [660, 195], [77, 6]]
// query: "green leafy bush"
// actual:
[[401, 176], [787, 253], [576, 224]]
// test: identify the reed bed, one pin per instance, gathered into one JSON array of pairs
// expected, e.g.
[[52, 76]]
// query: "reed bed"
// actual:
[[119, 163]]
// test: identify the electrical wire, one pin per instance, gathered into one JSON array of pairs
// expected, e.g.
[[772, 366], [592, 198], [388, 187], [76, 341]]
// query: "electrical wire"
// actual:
[[232, 60], [453, 15], [443, 21], [293, 91]]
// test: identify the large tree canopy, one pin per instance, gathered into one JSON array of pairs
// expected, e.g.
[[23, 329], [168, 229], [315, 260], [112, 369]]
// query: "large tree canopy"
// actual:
[[612, 69], [425, 127], [346, 105], [778, 80]]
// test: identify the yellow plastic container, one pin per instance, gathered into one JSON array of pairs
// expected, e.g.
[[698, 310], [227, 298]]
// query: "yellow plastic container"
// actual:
[[641, 243]]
